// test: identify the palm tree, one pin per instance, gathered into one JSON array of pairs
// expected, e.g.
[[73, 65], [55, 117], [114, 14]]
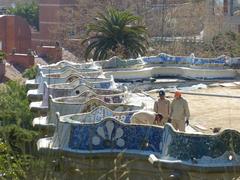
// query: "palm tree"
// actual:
[[115, 32]]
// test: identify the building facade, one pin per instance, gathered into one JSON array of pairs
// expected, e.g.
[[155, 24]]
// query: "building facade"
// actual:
[[15, 40], [15, 34], [231, 10], [49, 17]]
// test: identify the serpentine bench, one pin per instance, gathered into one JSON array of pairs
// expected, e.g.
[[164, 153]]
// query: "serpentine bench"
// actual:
[[173, 154], [65, 108]]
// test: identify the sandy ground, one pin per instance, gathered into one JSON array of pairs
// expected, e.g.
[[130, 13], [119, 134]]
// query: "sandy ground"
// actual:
[[211, 112], [13, 74]]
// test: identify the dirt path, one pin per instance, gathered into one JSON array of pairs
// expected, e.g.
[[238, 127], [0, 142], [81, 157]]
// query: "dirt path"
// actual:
[[213, 112]]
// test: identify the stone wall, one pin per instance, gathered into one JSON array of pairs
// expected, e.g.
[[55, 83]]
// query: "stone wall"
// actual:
[[52, 53], [24, 60]]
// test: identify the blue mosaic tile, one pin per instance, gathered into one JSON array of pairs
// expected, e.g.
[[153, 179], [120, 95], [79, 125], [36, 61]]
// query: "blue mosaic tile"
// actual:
[[185, 147], [128, 117], [105, 85], [111, 134], [166, 58]]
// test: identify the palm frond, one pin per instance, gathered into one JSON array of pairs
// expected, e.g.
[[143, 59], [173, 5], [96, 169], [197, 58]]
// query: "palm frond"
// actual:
[[112, 29]]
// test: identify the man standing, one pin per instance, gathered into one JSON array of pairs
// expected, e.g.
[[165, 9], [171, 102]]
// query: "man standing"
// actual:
[[179, 114], [162, 106]]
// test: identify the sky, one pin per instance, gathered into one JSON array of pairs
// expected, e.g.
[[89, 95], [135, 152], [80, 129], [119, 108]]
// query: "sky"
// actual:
[[219, 1]]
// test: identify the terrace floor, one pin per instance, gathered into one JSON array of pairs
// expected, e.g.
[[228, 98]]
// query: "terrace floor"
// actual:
[[210, 112]]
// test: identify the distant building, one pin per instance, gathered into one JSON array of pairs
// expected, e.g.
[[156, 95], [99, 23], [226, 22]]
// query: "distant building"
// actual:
[[5, 3], [15, 34], [231, 10], [49, 17], [15, 40]]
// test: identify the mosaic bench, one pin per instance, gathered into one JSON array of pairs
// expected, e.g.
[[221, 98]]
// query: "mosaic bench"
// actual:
[[179, 154], [72, 89], [163, 142], [96, 115], [63, 76], [73, 79], [163, 58], [63, 72], [56, 105], [116, 62], [87, 95], [59, 66], [42, 106]]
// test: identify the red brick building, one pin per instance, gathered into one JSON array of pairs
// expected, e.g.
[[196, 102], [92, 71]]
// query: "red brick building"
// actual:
[[14, 34], [49, 17], [15, 40]]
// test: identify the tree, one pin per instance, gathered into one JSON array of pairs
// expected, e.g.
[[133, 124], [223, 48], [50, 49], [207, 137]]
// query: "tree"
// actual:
[[30, 73], [113, 31], [10, 167], [27, 10], [227, 43], [14, 106], [75, 19], [2, 55], [17, 141]]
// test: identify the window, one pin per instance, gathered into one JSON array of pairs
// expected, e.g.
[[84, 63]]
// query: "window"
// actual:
[[225, 7], [72, 32]]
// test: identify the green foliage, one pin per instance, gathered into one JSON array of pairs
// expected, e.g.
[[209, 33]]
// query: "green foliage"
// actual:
[[14, 106], [115, 33], [17, 142], [30, 73], [227, 43], [196, 1], [17, 166], [10, 167], [19, 139], [29, 11], [2, 55]]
